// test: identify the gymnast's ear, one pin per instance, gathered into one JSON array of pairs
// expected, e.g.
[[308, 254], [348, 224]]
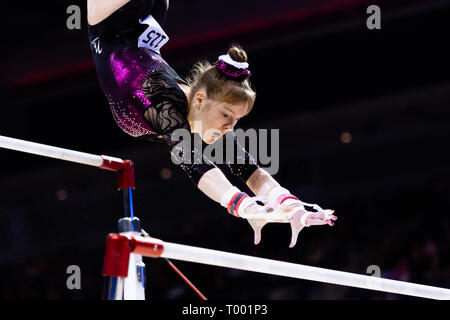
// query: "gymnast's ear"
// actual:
[[199, 99]]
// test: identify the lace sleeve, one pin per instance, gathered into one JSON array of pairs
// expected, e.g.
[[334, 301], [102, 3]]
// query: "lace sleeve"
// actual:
[[243, 164], [167, 115]]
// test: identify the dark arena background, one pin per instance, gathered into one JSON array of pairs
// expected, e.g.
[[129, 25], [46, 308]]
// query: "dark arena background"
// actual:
[[364, 124]]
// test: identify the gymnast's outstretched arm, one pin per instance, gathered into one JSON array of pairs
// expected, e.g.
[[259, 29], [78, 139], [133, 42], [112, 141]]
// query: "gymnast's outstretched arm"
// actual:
[[167, 116], [261, 181]]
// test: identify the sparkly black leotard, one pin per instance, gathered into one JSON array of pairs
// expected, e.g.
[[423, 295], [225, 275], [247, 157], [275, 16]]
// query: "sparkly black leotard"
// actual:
[[142, 88]]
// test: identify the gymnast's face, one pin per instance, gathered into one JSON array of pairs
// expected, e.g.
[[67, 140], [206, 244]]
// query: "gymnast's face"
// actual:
[[211, 118]]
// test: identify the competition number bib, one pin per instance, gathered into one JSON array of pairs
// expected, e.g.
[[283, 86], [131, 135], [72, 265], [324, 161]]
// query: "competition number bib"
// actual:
[[154, 37]]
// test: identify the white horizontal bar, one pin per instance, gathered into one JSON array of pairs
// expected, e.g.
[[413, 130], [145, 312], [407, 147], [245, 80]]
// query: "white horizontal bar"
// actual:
[[249, 263], [51, 152]]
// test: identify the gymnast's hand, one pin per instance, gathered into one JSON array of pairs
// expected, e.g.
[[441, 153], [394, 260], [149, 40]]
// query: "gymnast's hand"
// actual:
[[295, 215]]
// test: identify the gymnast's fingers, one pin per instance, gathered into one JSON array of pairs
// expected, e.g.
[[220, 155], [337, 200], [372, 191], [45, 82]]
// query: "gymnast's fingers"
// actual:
[[318, 222], [323, 215], [295, 229], [257, 225]]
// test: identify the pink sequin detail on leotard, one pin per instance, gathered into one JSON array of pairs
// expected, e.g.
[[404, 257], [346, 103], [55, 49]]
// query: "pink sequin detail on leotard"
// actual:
[[131, 69]]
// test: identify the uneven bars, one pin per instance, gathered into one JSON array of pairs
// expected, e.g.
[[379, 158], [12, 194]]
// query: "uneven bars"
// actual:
[[152, 247]]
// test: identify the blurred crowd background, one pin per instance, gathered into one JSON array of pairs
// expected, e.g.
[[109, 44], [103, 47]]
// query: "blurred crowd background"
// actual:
[[364, 124]]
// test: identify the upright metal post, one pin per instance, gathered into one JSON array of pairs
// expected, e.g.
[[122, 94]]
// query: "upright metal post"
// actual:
[[127, 202], [132, 285]]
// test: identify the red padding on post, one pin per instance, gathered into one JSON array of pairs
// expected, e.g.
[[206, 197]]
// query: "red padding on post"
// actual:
[[117, 256], [124, 169], [125, 177], [112, 164], [147, 247]]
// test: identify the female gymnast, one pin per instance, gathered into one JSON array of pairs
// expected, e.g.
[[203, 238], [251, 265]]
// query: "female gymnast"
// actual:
[[149, 100]]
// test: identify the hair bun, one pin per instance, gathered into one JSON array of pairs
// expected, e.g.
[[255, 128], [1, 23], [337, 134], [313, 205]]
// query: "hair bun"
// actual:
[[237, 53]]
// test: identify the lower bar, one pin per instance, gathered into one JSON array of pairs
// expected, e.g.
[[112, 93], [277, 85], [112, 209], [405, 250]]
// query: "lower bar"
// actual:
[[286, 269]]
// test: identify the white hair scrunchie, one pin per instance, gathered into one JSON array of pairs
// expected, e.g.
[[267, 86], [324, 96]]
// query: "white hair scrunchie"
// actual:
[[239, 65]]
